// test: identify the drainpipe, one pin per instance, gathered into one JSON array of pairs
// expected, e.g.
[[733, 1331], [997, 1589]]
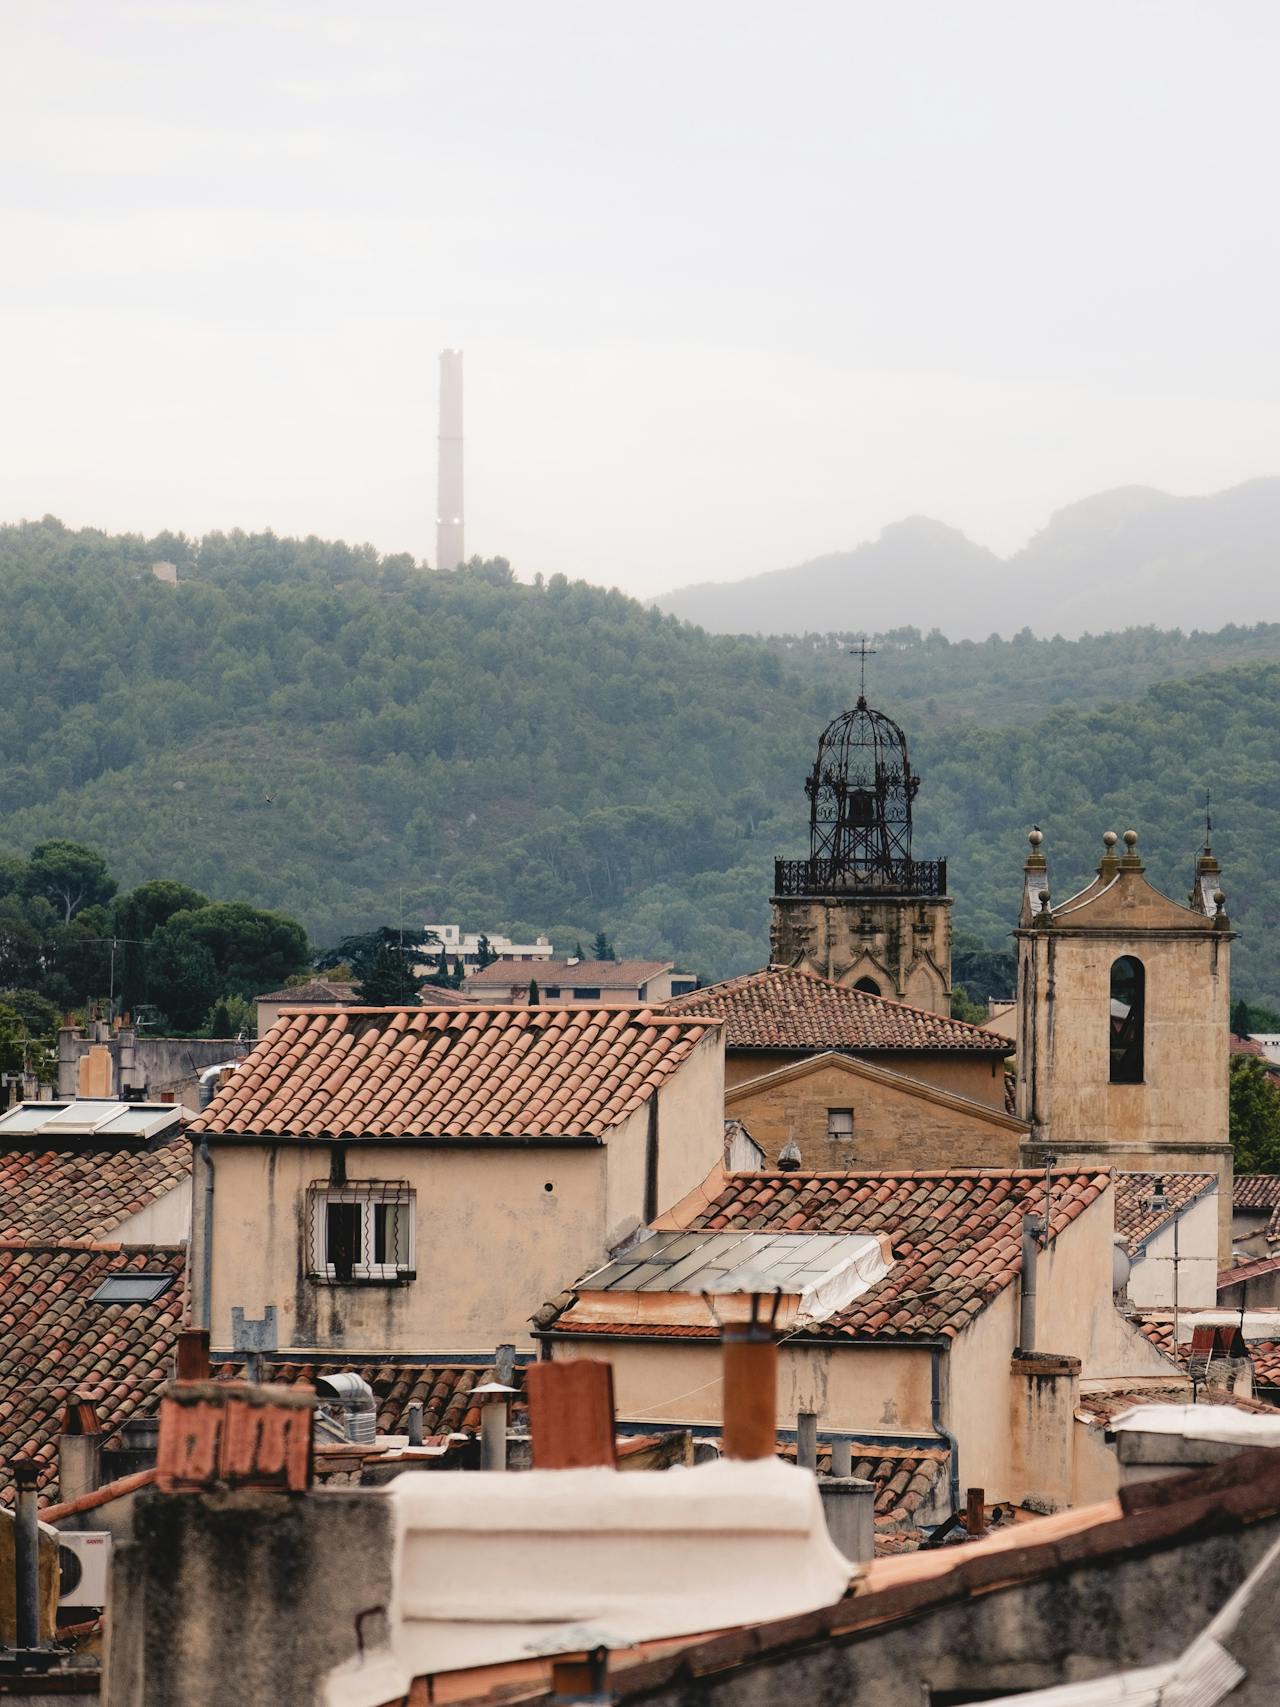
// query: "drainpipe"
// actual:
[[206, 1248], [1032, 1227], [26, 1555], [936, 1354]]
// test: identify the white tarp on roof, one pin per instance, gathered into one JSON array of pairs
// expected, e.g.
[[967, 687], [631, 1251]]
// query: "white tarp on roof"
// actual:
[[1202, 1422], [826, 1271], [490, 1567]]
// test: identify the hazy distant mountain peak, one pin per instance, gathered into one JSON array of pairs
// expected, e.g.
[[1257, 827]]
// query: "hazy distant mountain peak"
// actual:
[[1127, 557]]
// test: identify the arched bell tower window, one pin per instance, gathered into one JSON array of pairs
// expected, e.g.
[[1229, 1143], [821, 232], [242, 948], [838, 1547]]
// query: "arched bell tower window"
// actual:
[[1127, 1019], [869, 985]]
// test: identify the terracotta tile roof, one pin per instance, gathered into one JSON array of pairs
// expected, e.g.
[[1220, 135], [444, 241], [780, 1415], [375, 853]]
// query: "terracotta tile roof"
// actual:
[[443, 1389], [907, 1478], [596, 974], [1259, 1191], [784, 1008], [1100, 1407], [1011, 1093], [956, 1238], [1136, 1221], [440, 996], [96, 1497], [50, 1195], [55, 1343], [484, 1072], [314, 990], [1245, 1271], [1265, 1354]]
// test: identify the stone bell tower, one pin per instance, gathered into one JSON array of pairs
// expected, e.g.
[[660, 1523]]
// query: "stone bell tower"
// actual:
[[860, 909], [1122, 1012]]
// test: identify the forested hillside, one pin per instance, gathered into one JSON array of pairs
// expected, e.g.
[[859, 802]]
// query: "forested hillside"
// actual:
[[303, 726]]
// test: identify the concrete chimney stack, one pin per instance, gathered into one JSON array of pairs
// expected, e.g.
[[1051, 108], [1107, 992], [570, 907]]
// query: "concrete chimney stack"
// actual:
[[450, 544]]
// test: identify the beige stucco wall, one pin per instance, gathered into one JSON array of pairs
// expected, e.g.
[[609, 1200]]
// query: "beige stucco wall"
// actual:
[[1075, 1317], [895, 1124], [691, 1121], [167, 1221], [874, 1388], [498, 1230], [902, 943], [491, 1244], [971, 1076], [1151, 1282], [1177, 1118]]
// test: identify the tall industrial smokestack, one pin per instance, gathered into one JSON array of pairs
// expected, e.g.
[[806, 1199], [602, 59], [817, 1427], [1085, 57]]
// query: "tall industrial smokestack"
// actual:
[[450, 549]]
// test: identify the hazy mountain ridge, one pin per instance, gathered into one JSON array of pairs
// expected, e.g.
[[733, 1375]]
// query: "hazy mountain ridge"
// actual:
[[1124, 558]]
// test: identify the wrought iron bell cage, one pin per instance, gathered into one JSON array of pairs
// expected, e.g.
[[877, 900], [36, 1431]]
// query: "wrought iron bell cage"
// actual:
[[860, 792]]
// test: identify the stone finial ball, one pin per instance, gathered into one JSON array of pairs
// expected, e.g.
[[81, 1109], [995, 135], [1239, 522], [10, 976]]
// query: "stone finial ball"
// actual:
[[1044, 897], [1108, 839], [1131, 839], [1035, 837], [1219, 899]]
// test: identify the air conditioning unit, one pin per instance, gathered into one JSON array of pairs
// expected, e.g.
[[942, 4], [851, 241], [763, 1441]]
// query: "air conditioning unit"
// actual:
[[84, 1567]]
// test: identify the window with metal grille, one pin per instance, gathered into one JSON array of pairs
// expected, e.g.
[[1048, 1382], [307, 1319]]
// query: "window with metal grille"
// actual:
[[360, 1231]]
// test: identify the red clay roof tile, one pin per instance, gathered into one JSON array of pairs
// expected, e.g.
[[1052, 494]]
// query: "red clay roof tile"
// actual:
[[784, 1008], [491, 1072], [48, 1195], [956, 1239]]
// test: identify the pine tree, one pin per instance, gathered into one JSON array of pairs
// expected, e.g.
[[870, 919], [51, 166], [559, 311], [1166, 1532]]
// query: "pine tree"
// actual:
[[602, 948]]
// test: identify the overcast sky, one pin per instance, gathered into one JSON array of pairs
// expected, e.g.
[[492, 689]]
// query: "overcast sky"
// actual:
[[737, 282]]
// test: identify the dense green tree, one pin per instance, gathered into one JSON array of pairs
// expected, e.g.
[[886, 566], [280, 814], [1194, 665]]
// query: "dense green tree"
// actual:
[[1250, 1017], [21, 953], [231, 1016], [13, 1040], [225, 948], [602, 948], [389, 979], [1255, 1116], [963, 1008], [68, 875], [137, 917], [182, 977]]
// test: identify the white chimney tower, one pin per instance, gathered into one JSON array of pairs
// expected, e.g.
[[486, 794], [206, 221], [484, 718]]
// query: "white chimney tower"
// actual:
[[450, 548]]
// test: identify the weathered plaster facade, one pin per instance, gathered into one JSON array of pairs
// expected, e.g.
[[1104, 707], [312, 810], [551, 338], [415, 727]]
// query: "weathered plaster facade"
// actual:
[[496, 1225], [898, 944], [980, 1078], [1176, 1116], [898, 1122]]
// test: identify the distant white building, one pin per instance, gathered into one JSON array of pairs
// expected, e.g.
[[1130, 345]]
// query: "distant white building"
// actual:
[[465, 945]]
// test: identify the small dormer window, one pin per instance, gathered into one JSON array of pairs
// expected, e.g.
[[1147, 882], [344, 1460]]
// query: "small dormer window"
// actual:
[[1127, 1020], [361, 1231]]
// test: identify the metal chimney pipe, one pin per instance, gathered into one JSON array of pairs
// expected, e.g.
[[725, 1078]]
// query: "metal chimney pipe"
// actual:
[[807, 1440], [26, 1555], [1032, 1227], [493, 1435]]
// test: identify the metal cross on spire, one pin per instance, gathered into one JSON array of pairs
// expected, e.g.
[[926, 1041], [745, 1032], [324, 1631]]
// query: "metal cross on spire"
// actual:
[[862, 652], [1208, 819]]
